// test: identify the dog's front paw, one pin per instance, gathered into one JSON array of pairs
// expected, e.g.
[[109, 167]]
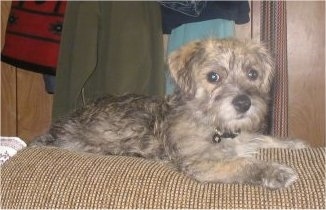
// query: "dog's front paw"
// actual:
[[278, 176]]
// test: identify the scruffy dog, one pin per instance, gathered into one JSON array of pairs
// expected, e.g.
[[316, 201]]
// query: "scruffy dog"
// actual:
[[209, 129]]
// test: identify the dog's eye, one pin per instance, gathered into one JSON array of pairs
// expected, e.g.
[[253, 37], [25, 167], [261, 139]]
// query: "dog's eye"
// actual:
[[252, 74], [213, 77]]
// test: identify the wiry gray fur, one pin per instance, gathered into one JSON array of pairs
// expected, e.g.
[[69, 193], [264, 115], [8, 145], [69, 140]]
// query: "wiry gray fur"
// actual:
[[179, 129]]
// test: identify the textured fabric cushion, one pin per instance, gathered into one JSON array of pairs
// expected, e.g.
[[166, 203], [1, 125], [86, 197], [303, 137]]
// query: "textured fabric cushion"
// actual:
[[56, 178]]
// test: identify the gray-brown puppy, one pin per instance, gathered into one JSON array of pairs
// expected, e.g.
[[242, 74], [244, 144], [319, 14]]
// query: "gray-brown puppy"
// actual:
[[209, 129]]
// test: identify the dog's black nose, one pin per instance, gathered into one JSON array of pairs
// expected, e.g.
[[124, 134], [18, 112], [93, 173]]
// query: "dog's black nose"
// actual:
[[241, 103]]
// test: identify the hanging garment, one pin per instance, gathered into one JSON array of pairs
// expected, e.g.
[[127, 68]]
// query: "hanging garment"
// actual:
[[109, 47], [176, 13], [190, 8], [33, 35]]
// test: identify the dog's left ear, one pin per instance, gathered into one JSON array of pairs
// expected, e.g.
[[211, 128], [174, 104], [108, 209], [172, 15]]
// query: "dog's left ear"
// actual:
[[180, 66], [267, 62]]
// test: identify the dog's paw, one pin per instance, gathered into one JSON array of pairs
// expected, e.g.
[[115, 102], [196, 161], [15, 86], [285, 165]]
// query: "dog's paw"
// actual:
[[279, 176]]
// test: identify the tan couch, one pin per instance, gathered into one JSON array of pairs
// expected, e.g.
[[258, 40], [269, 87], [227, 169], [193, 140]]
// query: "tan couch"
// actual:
[[56, 178]]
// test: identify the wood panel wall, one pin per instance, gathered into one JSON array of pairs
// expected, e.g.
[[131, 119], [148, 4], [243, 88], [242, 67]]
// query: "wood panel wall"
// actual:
[[306, 64], [8, 84], [26, 107]]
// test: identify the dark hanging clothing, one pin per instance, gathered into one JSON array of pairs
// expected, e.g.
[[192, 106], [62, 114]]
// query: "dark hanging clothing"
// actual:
[[176, 13]]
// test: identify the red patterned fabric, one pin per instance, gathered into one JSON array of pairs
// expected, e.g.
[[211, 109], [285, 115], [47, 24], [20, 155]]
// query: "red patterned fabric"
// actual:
[[33, 35], [274, 34]]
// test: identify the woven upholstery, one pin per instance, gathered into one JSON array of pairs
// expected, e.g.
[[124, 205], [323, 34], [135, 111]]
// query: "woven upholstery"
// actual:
[[56, 178], [273, 28]]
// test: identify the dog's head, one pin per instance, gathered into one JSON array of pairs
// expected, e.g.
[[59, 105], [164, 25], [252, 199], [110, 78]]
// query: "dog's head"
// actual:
[[226, 80]]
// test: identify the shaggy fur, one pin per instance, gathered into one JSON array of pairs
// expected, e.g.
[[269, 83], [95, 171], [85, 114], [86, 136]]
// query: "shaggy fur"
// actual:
[[209, 129]]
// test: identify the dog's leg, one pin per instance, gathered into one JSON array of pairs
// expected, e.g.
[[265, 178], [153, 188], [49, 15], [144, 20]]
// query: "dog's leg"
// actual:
[[272, 142], [242, 170], [226, 163]]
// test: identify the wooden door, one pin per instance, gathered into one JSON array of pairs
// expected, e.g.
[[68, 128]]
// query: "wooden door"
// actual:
[[306, 64]]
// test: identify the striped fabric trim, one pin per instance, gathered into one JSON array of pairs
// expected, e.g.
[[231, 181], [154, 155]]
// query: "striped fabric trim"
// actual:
[[56, 178], [274, 35]]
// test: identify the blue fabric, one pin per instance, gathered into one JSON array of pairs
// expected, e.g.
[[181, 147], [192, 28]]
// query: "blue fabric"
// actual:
[[49, 83], [193, 31]]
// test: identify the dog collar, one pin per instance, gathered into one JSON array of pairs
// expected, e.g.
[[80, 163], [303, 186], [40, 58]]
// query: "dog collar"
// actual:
[[218, 136]]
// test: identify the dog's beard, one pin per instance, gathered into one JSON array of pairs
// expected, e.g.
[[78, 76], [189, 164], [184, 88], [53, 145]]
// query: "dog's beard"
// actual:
[[226, 118]]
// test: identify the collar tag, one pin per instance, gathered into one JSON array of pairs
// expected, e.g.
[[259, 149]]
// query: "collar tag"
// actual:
[[218, 136]]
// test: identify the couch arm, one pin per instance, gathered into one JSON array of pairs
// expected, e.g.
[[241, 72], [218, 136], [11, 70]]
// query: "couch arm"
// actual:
[[56, 178]]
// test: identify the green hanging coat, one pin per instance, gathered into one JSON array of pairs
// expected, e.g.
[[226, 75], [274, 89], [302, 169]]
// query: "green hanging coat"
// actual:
[[108, 47]]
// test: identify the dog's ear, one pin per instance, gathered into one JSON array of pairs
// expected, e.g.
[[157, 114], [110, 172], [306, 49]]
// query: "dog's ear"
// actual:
[[267, 62], [181, 69]]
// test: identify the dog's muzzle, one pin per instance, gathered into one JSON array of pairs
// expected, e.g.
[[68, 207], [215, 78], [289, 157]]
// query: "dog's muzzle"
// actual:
[[241, 103]]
